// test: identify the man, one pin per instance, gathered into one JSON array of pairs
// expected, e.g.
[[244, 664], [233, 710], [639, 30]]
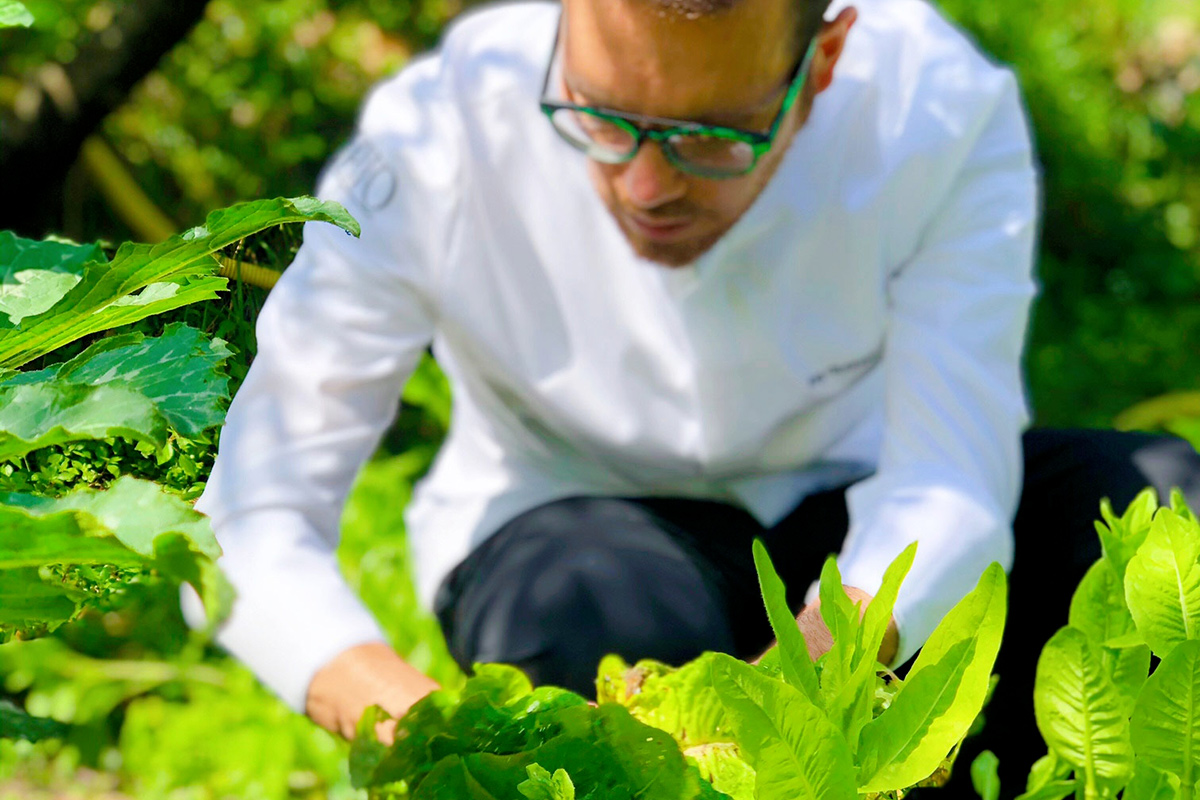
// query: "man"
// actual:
[[699, 271]]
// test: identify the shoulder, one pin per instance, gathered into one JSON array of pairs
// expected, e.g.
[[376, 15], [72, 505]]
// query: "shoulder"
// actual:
[[924, 78], [490, 50]]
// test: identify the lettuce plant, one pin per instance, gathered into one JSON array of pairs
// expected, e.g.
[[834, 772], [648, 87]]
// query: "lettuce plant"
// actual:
[[784, 729], [1113, 727]]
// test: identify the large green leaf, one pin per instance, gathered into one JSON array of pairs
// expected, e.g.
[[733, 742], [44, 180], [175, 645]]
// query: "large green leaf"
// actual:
[[796, 752], [1122, 536], [942, 695], [798, 669], [145, 279], [35, 275], [1165, 728], [180, 372], [102, 538], [16, 724], [1162, 582], [14, 15], [1098, 609], [1079, 710]]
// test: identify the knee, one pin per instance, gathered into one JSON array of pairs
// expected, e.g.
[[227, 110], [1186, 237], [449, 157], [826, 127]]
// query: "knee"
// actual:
[[586, 602]]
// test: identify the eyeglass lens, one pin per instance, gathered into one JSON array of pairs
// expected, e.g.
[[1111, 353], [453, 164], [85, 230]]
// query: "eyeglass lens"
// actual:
[[611, 143]]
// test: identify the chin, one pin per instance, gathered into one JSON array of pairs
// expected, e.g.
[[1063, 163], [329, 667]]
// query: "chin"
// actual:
[[671, 255]]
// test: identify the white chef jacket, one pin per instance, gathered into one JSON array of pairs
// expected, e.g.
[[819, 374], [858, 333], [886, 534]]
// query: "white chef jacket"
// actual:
[[864, 319]]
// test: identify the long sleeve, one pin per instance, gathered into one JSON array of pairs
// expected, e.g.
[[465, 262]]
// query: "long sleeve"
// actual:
[[950, 470], [337, 338]]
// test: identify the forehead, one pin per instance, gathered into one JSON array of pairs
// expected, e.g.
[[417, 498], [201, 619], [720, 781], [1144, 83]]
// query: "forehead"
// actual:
[[639, 57]]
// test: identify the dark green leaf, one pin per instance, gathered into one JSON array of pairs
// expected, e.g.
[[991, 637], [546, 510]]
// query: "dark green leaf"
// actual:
[[16, 724], [180, 372]]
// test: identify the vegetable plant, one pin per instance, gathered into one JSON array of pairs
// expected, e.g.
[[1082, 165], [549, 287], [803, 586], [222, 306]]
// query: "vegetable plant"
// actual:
[[1112, 726], [715, 727]]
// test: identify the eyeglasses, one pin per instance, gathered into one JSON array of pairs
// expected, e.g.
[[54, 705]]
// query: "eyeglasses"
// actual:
[[709, 151]]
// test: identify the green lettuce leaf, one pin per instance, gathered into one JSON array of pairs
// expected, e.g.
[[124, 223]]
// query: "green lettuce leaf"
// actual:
[[847, 671], [681, 701], [1098, 609], [1121, 536], [147, 279], [723, 767], [796, 752], [798, 669], [541, 785], [1165, 728], [942, 695], [481, 742], [1080, 711], [1162, 582], [879, 610]]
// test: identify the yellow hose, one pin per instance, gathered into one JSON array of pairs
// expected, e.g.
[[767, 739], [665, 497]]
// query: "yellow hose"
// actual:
[[144, 218]]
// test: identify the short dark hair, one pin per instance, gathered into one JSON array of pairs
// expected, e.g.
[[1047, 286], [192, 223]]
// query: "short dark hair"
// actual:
[[809, 13]]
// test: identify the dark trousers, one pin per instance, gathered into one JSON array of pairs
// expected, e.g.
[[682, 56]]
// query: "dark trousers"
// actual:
[[564, 584]]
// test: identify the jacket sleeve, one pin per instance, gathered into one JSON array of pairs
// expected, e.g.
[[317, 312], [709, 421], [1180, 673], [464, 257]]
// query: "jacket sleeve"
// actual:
[[338, 337], [950, 471]]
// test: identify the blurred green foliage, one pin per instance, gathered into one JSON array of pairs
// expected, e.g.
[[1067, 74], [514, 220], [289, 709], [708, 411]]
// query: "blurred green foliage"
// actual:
[[255, 101], [1113, 89]]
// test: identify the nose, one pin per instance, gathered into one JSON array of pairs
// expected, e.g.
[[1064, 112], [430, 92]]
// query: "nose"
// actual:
[[651, 180]]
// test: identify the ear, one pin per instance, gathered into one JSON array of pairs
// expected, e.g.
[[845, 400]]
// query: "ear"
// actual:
[[830, 42]]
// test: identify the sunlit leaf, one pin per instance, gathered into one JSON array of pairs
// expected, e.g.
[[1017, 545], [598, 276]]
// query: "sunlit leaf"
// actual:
[[1165, 728], [14, 15], [134, 285], [1080, 711], [798, 669], [942, 695], [1162, 583], [796, 752]]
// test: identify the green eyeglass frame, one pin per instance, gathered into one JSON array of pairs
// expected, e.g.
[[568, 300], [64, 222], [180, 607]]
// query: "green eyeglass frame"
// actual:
[[666, 129]]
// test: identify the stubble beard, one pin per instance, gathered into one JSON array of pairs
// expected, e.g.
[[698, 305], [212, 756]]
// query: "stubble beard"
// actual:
[[682, 254]]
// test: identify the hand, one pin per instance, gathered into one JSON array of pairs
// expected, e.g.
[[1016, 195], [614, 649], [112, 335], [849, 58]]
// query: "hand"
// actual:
[[820, 640], [365, 675]]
